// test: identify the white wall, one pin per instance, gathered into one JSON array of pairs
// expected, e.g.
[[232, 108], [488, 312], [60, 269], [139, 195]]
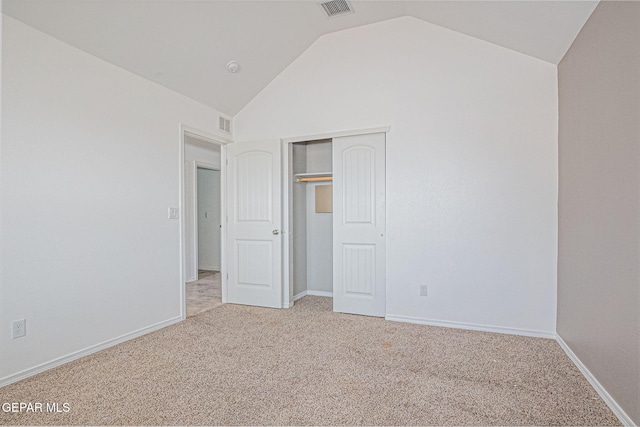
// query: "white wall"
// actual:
[[89, 167], [319, 244], [208, 219], [205, 153], [319, 225], [197, 150], [190, 221], [471, 163]]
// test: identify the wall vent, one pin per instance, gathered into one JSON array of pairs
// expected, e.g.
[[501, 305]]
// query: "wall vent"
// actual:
[[335, 8], [224, 124]]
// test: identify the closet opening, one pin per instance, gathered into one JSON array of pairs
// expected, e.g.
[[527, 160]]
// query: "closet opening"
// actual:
[[311, 218], [335, 214]]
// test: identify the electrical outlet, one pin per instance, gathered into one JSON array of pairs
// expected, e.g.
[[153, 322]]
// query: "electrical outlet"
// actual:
[[19, 328], [174, 213], [423, 290]]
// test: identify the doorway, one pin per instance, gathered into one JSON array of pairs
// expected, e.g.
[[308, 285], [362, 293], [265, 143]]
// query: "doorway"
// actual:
[[337, 217], [202, 231], [311, 219]]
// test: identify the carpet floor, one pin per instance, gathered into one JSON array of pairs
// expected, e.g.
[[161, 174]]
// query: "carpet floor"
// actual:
[[239, 365], [205, 293]]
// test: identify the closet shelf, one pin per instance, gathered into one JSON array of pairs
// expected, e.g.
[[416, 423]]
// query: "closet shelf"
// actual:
[[313, 176]]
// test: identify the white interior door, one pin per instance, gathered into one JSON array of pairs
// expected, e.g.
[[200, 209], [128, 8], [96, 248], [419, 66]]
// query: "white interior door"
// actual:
[[359, 224], [208, 215], [254, 224]]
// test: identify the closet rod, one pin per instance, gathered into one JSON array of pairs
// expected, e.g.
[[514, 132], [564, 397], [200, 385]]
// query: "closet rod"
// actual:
[[315, 178]]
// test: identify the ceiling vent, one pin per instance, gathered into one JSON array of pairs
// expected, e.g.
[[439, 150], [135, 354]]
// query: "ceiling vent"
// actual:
[[224, 124], [335, 8]]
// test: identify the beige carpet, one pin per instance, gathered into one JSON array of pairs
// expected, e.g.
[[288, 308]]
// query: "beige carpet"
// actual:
[[205, 293], [238, 365]]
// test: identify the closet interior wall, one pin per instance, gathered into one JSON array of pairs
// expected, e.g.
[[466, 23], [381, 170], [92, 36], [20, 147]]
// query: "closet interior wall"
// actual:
[[312, 238]]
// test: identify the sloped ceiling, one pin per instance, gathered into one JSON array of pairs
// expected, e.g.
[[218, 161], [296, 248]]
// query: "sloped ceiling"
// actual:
[[185, 45]]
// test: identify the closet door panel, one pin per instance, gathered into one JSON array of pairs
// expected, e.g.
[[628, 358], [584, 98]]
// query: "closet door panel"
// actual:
[[359, 224]]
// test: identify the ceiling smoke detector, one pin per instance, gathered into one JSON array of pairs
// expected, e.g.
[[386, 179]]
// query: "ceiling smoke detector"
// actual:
[[335, 8], [233, 67]]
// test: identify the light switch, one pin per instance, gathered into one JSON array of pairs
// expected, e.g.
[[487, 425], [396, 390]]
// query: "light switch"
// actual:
[[174, 213]]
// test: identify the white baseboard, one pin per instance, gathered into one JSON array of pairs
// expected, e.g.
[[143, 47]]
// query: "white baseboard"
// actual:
[[85, 352], [208, 268], [320, 293], [613, 405], [296, 297], [471, 326]]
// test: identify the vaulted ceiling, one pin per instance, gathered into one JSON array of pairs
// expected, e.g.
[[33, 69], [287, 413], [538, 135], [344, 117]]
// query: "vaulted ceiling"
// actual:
[[185, 45]]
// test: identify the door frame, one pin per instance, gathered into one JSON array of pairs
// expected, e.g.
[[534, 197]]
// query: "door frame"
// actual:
[[287, 194], [222, 143]]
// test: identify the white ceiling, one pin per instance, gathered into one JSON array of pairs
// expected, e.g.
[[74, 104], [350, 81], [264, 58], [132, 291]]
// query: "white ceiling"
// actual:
[[185, 45]]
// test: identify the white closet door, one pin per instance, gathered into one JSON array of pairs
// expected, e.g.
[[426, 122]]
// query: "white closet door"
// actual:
[[359, 224], [254, 224]]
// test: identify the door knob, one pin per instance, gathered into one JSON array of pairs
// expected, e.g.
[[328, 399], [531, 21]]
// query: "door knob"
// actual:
[[276, 232]]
